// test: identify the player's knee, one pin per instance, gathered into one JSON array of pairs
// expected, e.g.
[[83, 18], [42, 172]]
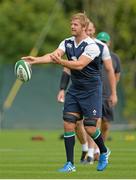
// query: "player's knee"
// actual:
[[79, 124], [105, 125], [70, 117], [90, 122]]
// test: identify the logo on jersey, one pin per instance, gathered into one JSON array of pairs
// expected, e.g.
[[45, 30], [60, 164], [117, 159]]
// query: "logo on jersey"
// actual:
[[94, 112], [88, 54], [69, 45]]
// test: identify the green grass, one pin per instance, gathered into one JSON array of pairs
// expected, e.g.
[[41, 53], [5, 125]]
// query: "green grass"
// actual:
[[22, 158]]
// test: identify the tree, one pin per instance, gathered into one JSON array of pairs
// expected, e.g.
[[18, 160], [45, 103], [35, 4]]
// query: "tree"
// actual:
[[21, 23]]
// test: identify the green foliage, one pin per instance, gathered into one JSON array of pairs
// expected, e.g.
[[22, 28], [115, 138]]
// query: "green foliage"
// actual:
[[70, 5], [130, 90], [125, 34], [125, 26], [21, 23]]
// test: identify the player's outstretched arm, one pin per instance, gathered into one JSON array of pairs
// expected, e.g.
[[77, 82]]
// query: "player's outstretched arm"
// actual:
[[43, 59], [38, 60]]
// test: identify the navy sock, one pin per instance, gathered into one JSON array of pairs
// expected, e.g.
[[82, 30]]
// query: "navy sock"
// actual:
[[69, 139], [97, 137]]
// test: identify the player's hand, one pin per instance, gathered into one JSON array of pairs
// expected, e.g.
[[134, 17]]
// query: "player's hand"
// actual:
[[61, 96], [56, 53], [113, 100], [29, 59], [56, 58]]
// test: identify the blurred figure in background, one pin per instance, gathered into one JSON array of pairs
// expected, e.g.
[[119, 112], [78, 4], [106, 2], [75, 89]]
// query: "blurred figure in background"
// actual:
[[107, 109]]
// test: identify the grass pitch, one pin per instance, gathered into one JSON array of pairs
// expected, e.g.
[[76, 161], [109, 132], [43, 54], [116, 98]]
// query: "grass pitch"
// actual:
[[24, 158]]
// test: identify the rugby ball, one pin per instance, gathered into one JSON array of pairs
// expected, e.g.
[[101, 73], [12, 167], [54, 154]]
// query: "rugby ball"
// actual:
[[23, 70]]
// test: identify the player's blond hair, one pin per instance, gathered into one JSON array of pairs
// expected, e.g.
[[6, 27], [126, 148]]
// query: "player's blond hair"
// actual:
[[82, 18]]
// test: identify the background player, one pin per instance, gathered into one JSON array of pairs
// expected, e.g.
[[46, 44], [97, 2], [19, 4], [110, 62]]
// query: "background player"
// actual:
[[107, 109]]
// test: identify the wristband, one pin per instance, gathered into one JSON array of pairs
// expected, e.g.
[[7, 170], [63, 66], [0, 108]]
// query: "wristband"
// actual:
[[65, 77]]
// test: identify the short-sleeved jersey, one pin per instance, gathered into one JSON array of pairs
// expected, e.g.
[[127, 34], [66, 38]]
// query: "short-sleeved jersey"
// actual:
[[105, 53], [87, 47], [117, 69]]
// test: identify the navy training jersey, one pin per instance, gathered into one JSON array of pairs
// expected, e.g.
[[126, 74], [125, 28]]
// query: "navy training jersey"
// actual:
[[91, 73]]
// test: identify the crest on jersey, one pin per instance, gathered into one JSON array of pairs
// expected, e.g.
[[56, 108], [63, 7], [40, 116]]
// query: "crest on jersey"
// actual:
[[69, 45], [94, 112]]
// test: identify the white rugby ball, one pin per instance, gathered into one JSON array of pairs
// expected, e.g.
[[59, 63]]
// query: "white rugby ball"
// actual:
[[23, 70]]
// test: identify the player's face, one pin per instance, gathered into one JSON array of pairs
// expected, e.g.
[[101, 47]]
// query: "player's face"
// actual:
[[90, 30], [76, 28]]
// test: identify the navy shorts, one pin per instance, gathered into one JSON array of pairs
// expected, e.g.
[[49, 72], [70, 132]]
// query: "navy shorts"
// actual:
[[87, 103], [107, 110]]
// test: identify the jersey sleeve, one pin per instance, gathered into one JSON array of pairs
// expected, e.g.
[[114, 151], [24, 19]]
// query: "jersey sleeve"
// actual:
[[91, 51], [106, 53], [62, 46]]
